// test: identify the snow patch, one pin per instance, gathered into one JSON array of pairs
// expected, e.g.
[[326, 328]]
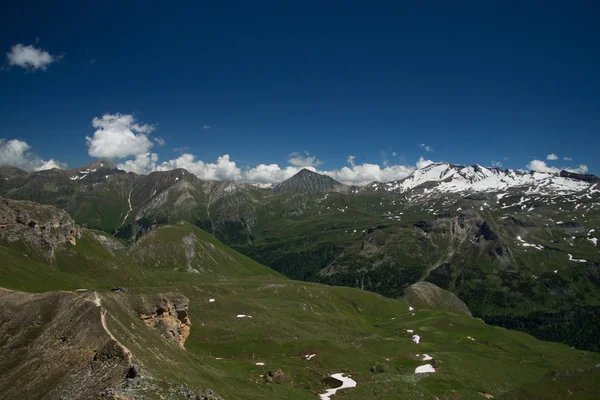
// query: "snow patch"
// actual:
[[424, 369], [416, 339], [347, 382], [576, 259]]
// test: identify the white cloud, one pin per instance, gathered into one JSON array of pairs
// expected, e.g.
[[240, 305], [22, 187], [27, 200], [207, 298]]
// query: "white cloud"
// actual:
[[159, 141], [426, 147], [393, 154], [541, 166], [306, 160], [552, 157], [16, 153], [384, 159], [422, 163], [263, 174], [361, 174], [271, 173], [206, 127], [116, 137], [30, 58], [50, 164], [496, 164], [223, 169], [142, 164], [567, 158]]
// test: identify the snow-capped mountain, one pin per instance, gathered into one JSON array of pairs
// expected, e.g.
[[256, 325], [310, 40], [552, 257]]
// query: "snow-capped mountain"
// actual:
[[449, 178]]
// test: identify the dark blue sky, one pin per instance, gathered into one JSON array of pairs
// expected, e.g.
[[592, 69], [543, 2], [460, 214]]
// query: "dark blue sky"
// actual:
[[477, 81]]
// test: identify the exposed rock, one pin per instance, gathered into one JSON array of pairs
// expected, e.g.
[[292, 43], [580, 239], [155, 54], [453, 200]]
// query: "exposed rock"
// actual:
[[428, 295], [278, 376], [55, 346], [168, 314], [485, 232], [580, 177], [43, 228], [311, 182], [184, 391], [108, 243]]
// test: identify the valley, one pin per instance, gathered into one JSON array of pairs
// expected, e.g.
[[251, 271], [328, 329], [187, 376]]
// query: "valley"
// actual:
[[519, 248], [162, 318]]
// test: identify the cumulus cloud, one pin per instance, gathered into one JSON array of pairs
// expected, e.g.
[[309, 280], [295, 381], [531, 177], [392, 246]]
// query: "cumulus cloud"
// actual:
[[366, 173], [551, 157], [541, 166], [271, 173], [426, 147], [496, 164], [304, 160], [264, 174], [17, 153], [119, 136], [142, 164], [422, 163], [30, 57], [223, 169]]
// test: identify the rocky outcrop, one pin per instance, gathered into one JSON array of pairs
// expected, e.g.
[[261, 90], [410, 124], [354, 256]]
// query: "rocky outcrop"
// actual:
[[107, 242], [428, 295], [580, 177], [167, 314], [485, 232], [43, 228], [56, 346]]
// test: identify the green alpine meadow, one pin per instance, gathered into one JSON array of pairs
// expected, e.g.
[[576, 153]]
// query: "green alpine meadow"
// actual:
[[175, 287]]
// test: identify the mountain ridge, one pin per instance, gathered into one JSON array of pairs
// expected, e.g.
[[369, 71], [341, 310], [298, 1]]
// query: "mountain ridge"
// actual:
[[312, 181]]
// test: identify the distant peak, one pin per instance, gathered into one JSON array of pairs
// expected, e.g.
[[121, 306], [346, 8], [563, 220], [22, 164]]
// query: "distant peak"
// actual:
[[306, 171], [96, 165], [306, 180]]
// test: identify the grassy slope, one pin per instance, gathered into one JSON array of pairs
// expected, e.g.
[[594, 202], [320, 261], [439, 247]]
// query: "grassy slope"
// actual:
[[350, 330]]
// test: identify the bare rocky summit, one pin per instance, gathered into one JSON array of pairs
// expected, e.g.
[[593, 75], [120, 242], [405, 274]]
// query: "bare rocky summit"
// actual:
[[44, 228]]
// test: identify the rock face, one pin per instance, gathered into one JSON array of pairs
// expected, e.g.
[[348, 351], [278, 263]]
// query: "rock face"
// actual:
[[428, 295], [581, 177], [55, 346], [168, 314], [311, 182], [44, 228]]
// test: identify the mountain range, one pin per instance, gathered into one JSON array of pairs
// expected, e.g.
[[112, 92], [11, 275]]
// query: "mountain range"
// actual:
[[511, 248]]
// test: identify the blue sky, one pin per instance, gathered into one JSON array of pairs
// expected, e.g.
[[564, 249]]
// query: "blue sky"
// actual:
[[510, 82]]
